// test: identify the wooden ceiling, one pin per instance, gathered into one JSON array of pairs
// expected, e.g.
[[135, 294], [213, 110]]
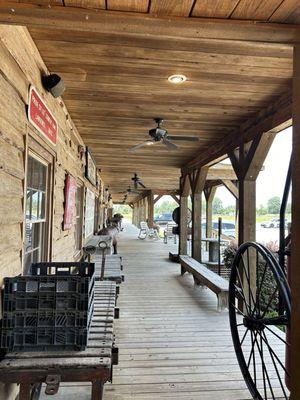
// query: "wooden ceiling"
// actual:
[[284, 11], [117, 81]]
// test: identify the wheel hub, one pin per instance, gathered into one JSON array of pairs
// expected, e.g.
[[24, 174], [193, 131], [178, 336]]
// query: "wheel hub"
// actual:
[[253, 323]]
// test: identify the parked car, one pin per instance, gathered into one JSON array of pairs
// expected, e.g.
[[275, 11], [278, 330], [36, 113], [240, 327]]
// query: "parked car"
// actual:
[[163, 218], [274, 223], [228, 228]]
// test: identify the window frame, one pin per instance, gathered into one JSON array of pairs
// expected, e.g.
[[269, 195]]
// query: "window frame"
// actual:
[[45, 157], [79, 217]]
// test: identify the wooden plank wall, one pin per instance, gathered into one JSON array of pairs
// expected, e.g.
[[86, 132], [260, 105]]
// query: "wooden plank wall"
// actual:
[[20, 66]]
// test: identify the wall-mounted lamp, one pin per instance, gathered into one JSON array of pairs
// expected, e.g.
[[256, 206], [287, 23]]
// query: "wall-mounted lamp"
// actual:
[[54, 84]]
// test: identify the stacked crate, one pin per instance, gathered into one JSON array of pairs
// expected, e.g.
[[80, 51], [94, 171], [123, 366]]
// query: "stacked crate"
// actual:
[[50, 309]]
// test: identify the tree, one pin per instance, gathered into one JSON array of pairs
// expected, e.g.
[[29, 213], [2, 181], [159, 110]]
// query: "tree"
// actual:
[[217, 206], [262, 210], [274, 205]]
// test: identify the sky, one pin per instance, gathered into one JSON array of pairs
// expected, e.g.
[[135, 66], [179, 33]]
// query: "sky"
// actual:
[[271, 179]]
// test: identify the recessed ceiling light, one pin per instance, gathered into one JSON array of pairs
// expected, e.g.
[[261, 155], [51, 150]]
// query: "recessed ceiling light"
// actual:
[[177, 78]]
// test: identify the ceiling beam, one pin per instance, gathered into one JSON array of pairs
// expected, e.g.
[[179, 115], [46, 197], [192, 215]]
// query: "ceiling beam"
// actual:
[[88, 20], [221, 171], [275, 117]]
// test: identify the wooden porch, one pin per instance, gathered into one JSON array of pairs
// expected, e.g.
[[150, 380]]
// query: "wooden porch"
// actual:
[[173, 342]]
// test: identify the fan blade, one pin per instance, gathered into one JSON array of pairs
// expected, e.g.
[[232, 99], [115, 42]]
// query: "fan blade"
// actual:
[[187, 138], [170, 145], [142, 185], [146, 143]]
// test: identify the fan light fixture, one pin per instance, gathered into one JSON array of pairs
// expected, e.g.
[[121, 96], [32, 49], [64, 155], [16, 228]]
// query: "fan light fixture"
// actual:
[[177, 79]]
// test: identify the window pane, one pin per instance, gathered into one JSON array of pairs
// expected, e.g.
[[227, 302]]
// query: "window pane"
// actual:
[[28, 204], [27, 262], [42, 205], [38, 179], [34, 207], [28, 236], [79, 212], [37, 235]]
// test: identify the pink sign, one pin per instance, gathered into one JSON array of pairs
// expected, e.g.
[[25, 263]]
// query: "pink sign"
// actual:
[[41, 117], [70, 198]]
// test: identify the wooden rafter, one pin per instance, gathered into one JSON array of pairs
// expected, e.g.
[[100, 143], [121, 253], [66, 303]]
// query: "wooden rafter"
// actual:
[[77, 19], [248, 162], [232, 187], [157, 198], [175, 198], [274, 117]]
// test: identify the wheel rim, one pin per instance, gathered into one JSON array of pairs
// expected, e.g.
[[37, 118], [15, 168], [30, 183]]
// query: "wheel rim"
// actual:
[[254, 320]]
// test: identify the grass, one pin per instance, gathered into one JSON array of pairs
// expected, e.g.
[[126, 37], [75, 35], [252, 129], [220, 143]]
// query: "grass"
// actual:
[[259, 218]]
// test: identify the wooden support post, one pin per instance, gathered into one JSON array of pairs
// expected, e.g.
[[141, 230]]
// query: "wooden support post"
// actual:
[[247, 211], [247, 162], [150, 209], [209, 195], [197, 189], [295, 253], [183, 228], [183, 225]]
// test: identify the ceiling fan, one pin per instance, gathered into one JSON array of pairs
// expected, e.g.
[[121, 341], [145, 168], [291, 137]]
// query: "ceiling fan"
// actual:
[[137, 182], [158, 134]]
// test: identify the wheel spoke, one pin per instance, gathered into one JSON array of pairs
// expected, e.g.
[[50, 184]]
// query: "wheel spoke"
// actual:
[[275, 355], [252, 349], [254, 362], [280, 338], [270, 301], [243, 292], [239, 290], [249, 285], [261, 352], [276, 369], [245, 334], [260, 286], [239, 311]]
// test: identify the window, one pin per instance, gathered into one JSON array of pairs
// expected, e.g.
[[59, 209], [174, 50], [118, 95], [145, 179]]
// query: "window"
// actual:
[[79, 214], [36, 220], [89, 213], [97, 216]]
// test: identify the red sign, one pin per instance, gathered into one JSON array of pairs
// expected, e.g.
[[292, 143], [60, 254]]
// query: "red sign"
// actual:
[[41, 117], [70, 196]]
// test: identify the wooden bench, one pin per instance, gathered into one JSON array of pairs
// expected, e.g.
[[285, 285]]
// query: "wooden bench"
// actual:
[[203, 276], [94, 364]]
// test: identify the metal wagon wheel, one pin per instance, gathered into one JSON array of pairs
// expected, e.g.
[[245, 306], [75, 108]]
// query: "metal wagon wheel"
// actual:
[[255, 317]]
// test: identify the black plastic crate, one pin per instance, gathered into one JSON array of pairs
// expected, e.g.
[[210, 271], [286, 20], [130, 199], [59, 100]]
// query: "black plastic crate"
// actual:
[[44, 339], [49, 284], [46, 319], [83, 269], [23, 301]]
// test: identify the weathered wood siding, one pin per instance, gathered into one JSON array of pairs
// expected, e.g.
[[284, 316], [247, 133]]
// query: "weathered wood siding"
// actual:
[[20, 66]]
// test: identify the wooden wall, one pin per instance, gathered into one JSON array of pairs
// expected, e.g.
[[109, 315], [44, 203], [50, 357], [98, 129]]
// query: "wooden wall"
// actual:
[[20, 66]]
